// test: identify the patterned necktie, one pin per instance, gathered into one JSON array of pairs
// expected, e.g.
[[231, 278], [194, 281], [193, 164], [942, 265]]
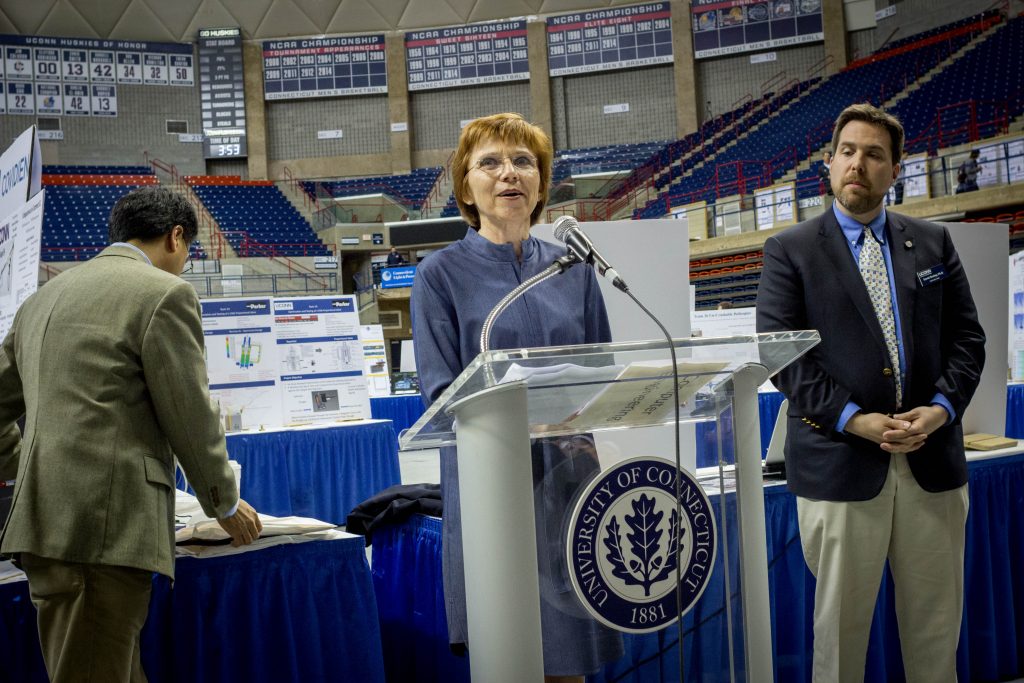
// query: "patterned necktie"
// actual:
[[872, 269]]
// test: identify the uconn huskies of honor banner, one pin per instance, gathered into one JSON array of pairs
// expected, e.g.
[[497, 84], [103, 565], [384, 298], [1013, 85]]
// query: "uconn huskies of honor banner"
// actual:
[[457, 56], [626, 537], [619, 38]]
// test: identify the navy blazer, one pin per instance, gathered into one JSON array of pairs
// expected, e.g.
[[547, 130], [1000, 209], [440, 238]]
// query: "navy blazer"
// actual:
[[810, 281]]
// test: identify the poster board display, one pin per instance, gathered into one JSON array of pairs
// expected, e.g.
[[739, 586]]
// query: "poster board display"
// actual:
[[20, 239], [915, 177], [775, 206], [375, 361], [320, 359], [1015, 341], [21, 224], [241, 361]]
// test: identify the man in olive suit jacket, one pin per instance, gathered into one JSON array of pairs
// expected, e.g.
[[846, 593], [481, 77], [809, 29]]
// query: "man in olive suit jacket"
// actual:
[[106, 364]]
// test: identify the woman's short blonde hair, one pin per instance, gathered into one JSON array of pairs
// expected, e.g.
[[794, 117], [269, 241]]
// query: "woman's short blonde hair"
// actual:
[[509, 129]]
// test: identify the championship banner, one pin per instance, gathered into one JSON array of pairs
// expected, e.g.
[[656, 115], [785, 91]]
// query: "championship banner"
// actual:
[[601, 40], [734, 26], [457, 56], [332, 66]]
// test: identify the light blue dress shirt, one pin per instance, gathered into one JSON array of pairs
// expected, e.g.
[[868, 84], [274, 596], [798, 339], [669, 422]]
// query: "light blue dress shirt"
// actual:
[[853, 232]]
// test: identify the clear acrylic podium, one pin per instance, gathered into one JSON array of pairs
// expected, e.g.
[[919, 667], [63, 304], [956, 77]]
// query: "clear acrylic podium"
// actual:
[[506, 400]]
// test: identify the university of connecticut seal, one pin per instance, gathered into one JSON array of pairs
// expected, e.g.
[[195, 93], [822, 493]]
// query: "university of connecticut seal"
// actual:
[[626, 538]]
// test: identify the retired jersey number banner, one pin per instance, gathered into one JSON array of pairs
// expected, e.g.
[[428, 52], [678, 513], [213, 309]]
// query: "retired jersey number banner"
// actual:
[[627, 540], [732, 26], [619, 38], [456, 56]]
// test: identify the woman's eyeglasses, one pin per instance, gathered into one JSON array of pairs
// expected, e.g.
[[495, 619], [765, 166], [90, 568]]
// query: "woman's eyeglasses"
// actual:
[[524, 163]]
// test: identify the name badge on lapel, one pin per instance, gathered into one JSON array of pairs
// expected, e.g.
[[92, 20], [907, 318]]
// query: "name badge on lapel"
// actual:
[[931, 275]]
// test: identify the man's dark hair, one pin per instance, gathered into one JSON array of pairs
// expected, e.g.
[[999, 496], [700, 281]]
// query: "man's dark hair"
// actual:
[[149, 212], [877, 117]]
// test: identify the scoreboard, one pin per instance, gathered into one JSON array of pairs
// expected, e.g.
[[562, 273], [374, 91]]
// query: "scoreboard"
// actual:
[[222, 93]]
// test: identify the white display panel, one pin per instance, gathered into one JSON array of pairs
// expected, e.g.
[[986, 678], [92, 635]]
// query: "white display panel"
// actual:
[[241, 361], [320, 358]]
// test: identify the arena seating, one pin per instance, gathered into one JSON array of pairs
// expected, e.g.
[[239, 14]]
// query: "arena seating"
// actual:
[[410, 189], [257, 219], [764, 155], [77, 209], [989, 75], [603, 159], [935, 115], [96, 170]]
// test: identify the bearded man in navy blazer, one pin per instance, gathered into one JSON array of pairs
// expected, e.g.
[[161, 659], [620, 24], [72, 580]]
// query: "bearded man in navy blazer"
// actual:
[[874, 448]]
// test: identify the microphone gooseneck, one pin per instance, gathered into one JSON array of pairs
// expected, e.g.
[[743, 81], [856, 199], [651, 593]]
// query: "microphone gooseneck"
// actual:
[[567, 230]]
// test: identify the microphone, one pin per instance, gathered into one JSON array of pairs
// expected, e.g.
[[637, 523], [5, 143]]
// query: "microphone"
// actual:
[[567, 230]]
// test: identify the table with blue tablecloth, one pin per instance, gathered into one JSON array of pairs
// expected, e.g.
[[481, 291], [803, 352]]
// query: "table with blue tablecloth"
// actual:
[[407, 569], [1015, 411], [320, 472], [303, 611], [403, 410]]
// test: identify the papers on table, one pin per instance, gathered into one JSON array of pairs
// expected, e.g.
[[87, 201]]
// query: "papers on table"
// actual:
[[196, 531]]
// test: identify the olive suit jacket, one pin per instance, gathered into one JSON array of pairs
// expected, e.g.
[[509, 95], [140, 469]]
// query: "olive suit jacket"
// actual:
[[106, 364], [810, 281]]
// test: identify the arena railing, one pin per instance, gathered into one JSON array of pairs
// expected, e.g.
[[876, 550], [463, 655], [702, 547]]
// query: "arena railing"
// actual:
[[939, 176]]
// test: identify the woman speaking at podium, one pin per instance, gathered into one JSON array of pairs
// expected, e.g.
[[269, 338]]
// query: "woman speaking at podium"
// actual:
[[502, 172]]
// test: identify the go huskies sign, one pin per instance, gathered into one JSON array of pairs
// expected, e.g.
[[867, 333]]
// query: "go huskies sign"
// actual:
[[626, 539]]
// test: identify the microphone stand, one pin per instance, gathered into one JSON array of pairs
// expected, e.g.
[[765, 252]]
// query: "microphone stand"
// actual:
[[560, 265]]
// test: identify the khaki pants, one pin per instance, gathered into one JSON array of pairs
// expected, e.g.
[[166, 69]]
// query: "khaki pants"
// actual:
[[90, 617], [846, 544]]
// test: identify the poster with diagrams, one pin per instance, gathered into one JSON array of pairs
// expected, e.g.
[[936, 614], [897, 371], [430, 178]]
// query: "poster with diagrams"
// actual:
[[21, 224], [375, 361], [320, 359], [241, 360]]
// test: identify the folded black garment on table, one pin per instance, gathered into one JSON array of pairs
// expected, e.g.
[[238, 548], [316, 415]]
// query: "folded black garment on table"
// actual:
[[391, 506]]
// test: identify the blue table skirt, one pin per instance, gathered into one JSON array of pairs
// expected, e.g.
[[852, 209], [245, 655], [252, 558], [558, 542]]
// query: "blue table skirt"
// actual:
[[321, 473], [403, 411], [300, 612], [407, 566], [1015, 411]]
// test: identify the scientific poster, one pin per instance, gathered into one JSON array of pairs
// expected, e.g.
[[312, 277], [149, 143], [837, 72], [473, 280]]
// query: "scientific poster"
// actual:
[[320, 359], [241, 360], [375, 361], [1015, 343], [19, 258]]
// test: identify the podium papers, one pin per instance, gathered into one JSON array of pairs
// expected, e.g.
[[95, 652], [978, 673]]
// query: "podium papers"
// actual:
[[642, 393]]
